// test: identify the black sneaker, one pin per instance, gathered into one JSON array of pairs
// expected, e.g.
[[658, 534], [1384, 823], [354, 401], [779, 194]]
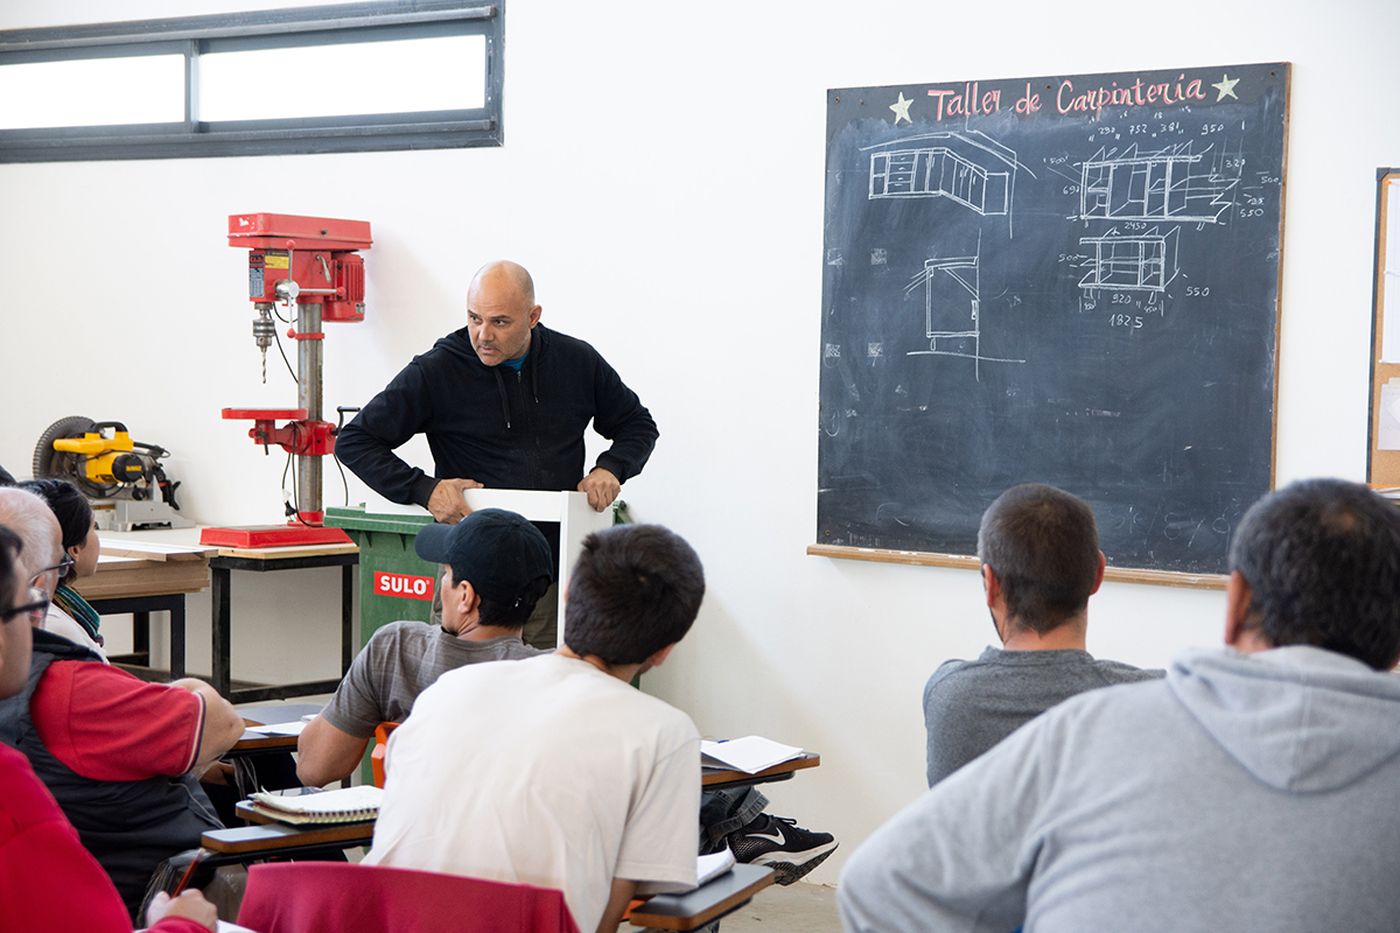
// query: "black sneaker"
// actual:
[[782, 845]]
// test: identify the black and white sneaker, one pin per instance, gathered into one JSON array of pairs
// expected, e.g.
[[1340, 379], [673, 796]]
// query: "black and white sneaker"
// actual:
[[782, 845]]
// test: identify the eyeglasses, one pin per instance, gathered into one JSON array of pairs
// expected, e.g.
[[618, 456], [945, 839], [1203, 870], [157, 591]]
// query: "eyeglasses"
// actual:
[[36, 608], [62, 567]]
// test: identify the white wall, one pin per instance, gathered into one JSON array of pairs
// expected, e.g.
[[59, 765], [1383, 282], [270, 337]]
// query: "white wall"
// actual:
[[663, 179]]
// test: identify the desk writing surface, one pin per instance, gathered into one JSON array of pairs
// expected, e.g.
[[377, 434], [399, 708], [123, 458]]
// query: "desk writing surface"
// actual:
[[714, 899], [710, 776]]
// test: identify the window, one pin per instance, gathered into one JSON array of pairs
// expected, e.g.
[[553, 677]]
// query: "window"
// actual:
[[338, 78]]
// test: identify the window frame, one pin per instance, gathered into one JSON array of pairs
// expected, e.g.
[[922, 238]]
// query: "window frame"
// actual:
[[291, 27]]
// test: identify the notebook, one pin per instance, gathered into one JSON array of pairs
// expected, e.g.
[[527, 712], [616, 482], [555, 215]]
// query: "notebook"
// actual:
[[347, 805], [710, 867]]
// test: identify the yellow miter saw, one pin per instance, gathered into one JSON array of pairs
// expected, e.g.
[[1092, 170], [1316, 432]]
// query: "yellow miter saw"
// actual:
[[122, 478]]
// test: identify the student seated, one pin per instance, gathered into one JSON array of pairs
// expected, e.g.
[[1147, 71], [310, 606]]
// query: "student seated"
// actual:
[[48, 881], [1252, 789], [499, 568], [69, 614], [553, 770], [30, 517], [120, 755], [1039, 550]]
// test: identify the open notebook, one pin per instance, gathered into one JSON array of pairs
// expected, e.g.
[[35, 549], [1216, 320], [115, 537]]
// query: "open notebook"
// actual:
[[347, 805]]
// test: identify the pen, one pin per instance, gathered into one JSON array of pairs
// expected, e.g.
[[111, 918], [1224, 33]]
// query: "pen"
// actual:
[[184, 879]]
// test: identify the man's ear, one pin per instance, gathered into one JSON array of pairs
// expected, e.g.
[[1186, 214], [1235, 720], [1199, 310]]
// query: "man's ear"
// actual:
[[535, 315], [659, 658], [469, 598], [1098, 577], [1237, 599], [991, 586]]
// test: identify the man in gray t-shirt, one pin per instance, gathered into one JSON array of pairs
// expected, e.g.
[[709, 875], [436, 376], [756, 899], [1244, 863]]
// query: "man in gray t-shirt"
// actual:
[[1039, 548], [498, 568]]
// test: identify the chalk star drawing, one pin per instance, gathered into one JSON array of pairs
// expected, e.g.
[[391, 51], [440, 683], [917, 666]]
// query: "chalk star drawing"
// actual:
[[1226, 87], [900, 108]]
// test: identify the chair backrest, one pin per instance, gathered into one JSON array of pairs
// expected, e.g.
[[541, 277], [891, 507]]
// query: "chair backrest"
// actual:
[[338, 897], [381, 748]]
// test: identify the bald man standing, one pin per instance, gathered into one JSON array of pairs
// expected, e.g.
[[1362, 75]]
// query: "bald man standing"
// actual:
[[504, 403]]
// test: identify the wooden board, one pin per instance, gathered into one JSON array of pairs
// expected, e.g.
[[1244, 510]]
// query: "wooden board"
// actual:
[[1382, 463], [150, 550], [278, 553], [128, 576], [1068, 279]]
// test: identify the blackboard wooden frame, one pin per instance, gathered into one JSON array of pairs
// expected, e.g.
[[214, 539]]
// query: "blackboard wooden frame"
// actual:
[[988, 200], [1382, 466]]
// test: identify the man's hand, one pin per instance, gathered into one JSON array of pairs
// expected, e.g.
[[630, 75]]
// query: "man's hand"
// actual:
[[602, 488], [190, 905], [447, 503]]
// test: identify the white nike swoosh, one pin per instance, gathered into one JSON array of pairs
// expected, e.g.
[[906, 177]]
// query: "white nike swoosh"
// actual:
[[779, 838]]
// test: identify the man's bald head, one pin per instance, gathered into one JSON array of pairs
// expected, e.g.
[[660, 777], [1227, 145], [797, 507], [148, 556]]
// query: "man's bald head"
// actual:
[[503, 277], [501, 312], [30, 517]]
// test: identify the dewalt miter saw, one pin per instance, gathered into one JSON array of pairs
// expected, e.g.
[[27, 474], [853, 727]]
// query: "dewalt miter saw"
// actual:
[[122, 478]]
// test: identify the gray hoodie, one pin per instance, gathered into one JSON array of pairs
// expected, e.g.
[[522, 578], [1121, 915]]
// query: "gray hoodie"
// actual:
[[1245, 792]]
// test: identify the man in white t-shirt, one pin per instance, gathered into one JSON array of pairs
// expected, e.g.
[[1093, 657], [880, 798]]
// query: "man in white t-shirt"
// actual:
[[554, 771]]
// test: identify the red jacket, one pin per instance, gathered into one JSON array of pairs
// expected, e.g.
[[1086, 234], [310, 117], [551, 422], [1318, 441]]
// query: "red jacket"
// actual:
[[48, 881]]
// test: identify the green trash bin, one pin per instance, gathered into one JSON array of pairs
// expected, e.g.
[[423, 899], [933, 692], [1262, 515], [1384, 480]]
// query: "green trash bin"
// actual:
[[395, 583]]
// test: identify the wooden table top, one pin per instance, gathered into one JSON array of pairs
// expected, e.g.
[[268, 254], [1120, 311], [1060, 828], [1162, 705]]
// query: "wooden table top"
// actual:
[[261, 716], [709, 777]]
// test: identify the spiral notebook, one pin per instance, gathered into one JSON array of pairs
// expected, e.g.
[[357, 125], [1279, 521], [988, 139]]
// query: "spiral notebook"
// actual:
[[347, 805]]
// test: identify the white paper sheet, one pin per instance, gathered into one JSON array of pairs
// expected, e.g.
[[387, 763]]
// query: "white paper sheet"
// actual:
[[1388, 428], [1390, 336], [280, 728], [751, 754]]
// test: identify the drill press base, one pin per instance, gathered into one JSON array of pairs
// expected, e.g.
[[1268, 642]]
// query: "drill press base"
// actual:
[[260, 536]]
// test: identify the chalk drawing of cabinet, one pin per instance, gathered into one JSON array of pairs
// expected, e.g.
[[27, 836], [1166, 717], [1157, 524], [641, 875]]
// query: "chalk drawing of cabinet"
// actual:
[[952, 305], [1135, 262], [971, 169], [1170, 184]]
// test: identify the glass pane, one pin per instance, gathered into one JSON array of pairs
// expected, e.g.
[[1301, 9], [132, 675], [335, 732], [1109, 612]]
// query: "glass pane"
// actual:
[[93, 92], [443, 73]]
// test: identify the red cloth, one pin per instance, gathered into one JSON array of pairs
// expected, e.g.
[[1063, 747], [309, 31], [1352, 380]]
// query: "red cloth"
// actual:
[[48, 881], [336, 897], [108, 725]]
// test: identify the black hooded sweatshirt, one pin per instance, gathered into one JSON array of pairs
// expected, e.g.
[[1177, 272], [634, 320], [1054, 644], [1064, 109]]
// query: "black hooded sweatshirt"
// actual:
[[505, 429]]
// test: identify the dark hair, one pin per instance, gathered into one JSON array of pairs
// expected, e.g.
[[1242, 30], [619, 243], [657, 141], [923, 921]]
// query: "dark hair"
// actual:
[[1043, 545], [515, 613], [10, 546], [635, 590], [1322, 560], [70, 507]]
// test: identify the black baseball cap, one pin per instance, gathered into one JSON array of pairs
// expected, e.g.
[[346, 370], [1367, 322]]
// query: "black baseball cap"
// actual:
[[498, 552]]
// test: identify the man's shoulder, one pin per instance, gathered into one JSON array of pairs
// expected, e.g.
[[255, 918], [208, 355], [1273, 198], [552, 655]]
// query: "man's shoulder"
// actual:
[[554, 343], [958, 674], [397, 633], [1119, 672]]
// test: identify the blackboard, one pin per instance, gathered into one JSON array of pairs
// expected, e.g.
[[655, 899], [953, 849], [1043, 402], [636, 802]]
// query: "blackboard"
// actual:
[[1071, 280]]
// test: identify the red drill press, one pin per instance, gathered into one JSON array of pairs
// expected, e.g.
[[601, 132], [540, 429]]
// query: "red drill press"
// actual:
[[307, 264]]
